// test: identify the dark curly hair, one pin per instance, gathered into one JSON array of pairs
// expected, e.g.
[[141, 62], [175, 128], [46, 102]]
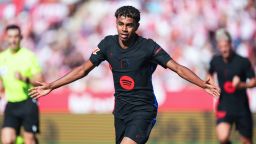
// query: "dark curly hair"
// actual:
[[128, 11]]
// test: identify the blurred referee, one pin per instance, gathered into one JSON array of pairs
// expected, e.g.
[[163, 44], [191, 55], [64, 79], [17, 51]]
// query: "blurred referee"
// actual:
[[19, 70]]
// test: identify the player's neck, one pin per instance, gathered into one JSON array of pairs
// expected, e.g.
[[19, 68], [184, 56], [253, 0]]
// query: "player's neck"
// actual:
[[15, 50], [229, 58], [128, 43]]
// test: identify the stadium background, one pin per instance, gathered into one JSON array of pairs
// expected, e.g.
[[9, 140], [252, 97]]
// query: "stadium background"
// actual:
[[63, 33]]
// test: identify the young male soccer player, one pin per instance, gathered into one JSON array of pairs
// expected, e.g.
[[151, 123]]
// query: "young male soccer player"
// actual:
[[133, 60], [232, 71], [19, 70]]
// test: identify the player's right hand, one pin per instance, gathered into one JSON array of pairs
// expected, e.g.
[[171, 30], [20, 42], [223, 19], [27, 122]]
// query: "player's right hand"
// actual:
[[41, 90]]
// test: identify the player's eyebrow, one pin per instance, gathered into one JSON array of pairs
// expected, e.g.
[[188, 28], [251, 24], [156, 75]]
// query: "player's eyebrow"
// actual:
[[119, 22]]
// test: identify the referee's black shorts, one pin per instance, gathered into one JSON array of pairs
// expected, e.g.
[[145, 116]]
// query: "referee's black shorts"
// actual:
[[136, 127], [24, 113]]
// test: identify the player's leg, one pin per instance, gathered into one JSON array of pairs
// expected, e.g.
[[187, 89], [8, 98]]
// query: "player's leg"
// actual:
[[127, 140], [244, 125], [8, 135], [245, 140], [30, 121], [119, 129], [223, 130], [11, 124], [139, 128], [30, 138]]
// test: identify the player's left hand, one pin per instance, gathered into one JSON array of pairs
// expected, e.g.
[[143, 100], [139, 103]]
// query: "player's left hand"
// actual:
[[235, 82], [40, 90], [212, 88], [19, 76]]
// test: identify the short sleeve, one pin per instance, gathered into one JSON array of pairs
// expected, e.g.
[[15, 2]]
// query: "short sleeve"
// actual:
[[159, 55], [249, 69], [98, 54], [211, 69], [34, 67]]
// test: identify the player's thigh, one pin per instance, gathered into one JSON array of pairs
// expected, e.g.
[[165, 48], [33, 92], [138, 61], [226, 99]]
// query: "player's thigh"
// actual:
[[127, 140], [8, 135], [29, 138], [139, 129], [119, 129], [244, 125], [223, 130], [11, 118], [31, 117]]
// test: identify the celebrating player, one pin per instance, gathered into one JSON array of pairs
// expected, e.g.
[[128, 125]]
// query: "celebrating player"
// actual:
[[133, 60]]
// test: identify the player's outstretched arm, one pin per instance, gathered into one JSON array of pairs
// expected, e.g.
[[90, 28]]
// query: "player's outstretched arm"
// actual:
[[188, 75], [77, 73]]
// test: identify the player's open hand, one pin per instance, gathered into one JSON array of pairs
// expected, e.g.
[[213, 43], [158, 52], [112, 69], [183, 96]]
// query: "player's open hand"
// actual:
[[41, 90], [19, 76], [235, 82], [212, 88]]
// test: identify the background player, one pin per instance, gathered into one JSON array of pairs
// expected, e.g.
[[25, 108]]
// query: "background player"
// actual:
[[133, 60], [19, 70], [232, 72]]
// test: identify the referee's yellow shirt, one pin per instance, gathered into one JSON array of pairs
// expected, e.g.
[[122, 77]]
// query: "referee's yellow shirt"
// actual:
[[24, 62]]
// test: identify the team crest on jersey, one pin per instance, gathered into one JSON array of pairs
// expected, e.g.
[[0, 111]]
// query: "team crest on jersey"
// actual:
[[95, 51]]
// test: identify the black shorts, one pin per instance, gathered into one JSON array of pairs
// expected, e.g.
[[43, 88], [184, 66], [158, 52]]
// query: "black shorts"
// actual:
[[25, 113], [243, 122], [137, 127]]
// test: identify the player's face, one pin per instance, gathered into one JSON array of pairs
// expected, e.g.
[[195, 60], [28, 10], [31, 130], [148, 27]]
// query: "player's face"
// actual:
[[126, 27], [13, 37], [224, 48]]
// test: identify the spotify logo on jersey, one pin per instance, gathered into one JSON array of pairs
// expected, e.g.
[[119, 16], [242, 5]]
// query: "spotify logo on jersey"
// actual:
[[127, 82]]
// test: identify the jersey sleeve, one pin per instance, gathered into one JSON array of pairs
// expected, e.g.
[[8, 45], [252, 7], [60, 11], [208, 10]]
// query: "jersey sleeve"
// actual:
[[34, 67], [211, 69], [249, 69], [159, 55], [98, 54]]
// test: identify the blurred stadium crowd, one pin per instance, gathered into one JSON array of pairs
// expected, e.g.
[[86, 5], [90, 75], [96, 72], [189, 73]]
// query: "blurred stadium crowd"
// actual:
[[64, 32]]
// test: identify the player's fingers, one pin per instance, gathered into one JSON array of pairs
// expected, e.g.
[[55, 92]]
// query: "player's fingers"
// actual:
[[38, 96], [32, 92], [39, 83], [216, 91], [31, 89]]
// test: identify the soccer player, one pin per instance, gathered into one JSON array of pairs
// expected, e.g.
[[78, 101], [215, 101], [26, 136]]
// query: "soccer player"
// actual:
[[132, 59], [232, 108], [19, 71]]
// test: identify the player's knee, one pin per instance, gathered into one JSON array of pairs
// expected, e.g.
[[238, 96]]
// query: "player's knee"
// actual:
[[8, 140], [246, 141], [127, 140], [30, 139], [224, 140]]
